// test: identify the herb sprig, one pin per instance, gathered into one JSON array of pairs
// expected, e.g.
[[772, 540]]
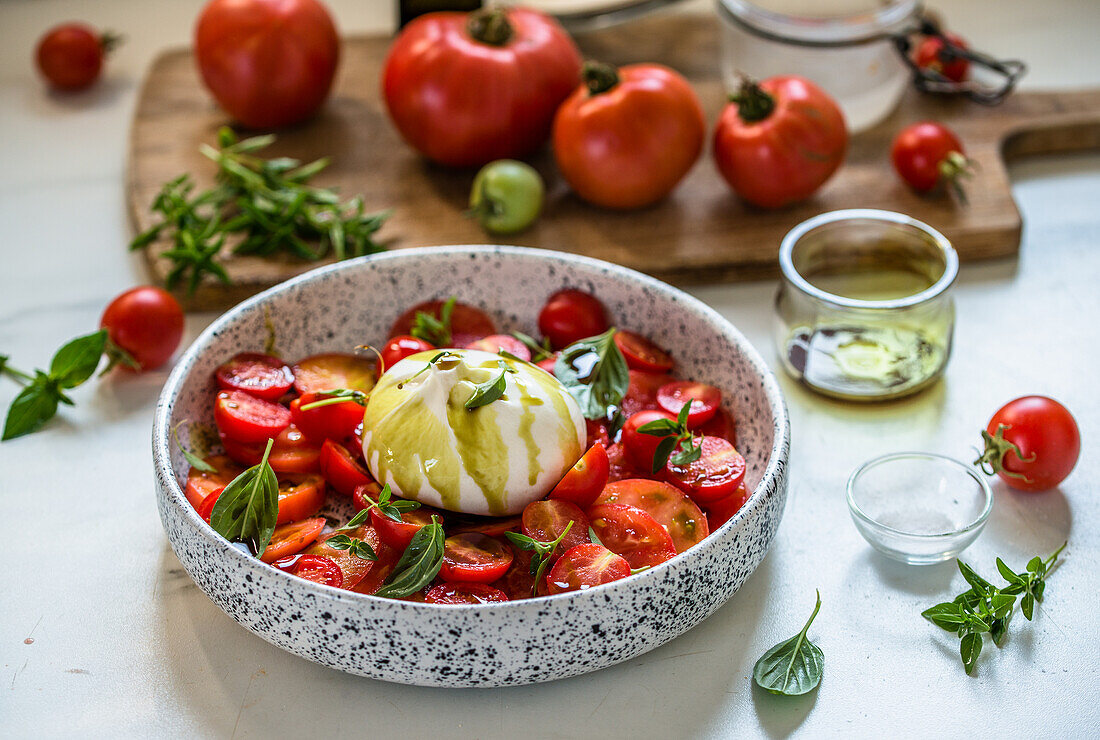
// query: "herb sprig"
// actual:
[[492, 389], [988, 608], [793, 667], [387, 506], [539, 351], [192, 459], [435, 331], [353, 545], [594, 372], [248, 507], [542, 551], [266, 205], [674, 434], [337, 395], [419, 564]]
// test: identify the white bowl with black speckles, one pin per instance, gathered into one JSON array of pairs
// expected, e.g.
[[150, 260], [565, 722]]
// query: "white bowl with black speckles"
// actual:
[[340, 306]]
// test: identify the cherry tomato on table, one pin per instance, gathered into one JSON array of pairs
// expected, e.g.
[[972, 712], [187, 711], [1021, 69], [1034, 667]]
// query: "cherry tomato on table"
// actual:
[[245, 418], [468, 323], [268, 63], [932, 53], [341, 469], [716, 474], [1032, 443], [570, 316], [259, 375], [779, 141], [464, 593], [466, 89], [146, 323], [398, 348], [705, 400], [642, 354], [632, 533], [584, 567], [679, 515], [546, 520], [291, 538], [474, 558], [584, 481], [927, 154], [70, 56]]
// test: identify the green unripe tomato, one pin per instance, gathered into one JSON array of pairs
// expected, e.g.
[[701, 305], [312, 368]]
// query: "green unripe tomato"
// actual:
[[506, 196]]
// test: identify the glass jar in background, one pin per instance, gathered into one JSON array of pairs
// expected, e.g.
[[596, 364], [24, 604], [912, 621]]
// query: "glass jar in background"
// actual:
[[844, 46], [863, 310]]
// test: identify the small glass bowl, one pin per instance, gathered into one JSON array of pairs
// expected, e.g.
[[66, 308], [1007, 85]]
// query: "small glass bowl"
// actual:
[[918, 507]]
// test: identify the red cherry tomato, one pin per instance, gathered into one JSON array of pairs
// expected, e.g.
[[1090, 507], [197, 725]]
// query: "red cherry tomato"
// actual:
[[705, 400], [474, 558], [468, 323], [398, 535], [206, 508], [641, 394], [202, 485], [380, 571], [584, 481], [641, 448], [465, 89], [353, 568], [70, 56], [262, 376], [604, 153], [570, 316], [518, 582], [316, 568], [301, 495], [597, 434], [268, 63], [292, 538], [721, 511], [679, 515], [928, 153], [632, 533], [642, 354], [716, 474], [464, 593], [584, 567], [493, 527], [780, 141], [340, 469], [331, 421], [397, 349], [364, 494], [496, 342], [245, 418], [146, 323], [333, 371], [1038, 446], [932, 53], [621, 466], [291, 453], [548, 363], [546, 520]]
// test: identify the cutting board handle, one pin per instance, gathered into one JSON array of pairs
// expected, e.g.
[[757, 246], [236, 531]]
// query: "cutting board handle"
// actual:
[[1055, 122]]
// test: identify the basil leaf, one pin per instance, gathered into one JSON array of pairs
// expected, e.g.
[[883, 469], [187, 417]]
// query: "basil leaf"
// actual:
[[521, 541], [76, 361], [1001, 604], [980, 585], [418, 565], [435, 331], [794, 666], [946, 616], [687, 456], [970, 648], [659, 428], [356, 521], [192, 459], [34, 406], [998, 630], [594, 372], [1035, 565], [362, 550], [664, 449], [1027, 605], [487, 392], [246, 511], [1007, 573], [539, 352], [339, 542], [594, 538], [969, 599]]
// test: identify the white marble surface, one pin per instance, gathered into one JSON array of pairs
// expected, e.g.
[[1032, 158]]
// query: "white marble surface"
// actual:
[[103, 635]]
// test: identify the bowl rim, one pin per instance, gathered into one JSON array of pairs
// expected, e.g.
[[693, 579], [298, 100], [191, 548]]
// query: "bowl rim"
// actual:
[[161, 430], [861, 515]]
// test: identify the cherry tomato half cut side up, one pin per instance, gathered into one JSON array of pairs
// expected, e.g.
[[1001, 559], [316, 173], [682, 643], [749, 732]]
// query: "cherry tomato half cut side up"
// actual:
[[669, 506], [717, 473], [200, 485], [496, 342], [300, 496], [584, 567], [316, 568], [245, 418], [292, 538], [398, 348], [705, 400], [641, 448], [464, 593], [291, 453], [353, 567], [474, 558], [262, 376], [642, 354], [468, 324], [328, 372], [570, 316], [398, 535], [584, 481], [632, 533], [330, 421], [546, 520], [342, 471]]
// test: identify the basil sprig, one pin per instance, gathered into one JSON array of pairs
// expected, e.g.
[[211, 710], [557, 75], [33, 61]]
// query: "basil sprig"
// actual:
[[490, 390], [794, 666], [419, 564], [246, 511], [435, 331], [594, 372], [387, 506], [192, 459], [674, 434], [353, 545], [540, 560]]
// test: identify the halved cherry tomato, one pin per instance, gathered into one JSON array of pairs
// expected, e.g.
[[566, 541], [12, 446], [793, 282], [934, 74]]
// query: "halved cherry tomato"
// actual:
[[546, 520], [720, 425], [705, 400], [202, 485], [464, 593], [548, 363], [621, 466], [364, 494], [380, 571], [340, 469], [206, 508], [679, 515], [328, 372], [398, 535], [353, 567], [259, 375], [632, 533], [398, 348], [494, 527], [716, 474], [584, 567], [570, 316], [331, 421], [721, 511], [316, 568], [641, 393], [496, 342], [245, 418], [467, 322], [474, 558], [584, 481], [300, 496], [292, 538], [642, 354], [641, 448], [291, 453], [518, 582]]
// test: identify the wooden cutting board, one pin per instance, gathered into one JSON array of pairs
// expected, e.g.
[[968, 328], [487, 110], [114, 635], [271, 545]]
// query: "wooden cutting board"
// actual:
[[700, 233]]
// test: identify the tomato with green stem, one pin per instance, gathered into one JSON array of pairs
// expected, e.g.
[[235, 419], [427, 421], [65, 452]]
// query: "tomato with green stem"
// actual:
[[465, 323], [506, 196], [928, 154], [144, 326], [320, 418], [1032, 443], [933, 54], [640, 447], [70, 56], [398, 348]]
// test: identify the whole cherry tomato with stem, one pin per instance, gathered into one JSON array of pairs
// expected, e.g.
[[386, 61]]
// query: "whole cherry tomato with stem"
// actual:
[[506, 196], [928, 154], [465, 89], [70, 56], [626, 137], [935, 55], [1032, 443], [779, 140], [144, 326]]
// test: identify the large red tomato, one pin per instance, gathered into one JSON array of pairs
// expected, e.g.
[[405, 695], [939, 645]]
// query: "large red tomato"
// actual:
[[467, 88], [269, 63], [779, 141], [627, 136]]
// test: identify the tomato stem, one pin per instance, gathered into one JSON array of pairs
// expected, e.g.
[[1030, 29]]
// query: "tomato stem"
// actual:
[[599, 77], [753, 104], [991, 461], [954, 167], [109, 41], [490, 26]]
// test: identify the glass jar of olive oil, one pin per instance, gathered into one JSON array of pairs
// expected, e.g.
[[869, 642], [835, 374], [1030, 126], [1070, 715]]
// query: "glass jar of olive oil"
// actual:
[[863, 308]]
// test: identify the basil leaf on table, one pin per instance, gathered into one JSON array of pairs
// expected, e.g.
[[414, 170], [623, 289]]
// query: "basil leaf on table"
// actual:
[[419, 564], [34, 406], [794, 666], [76, 361], [594, 372], [246, 511]]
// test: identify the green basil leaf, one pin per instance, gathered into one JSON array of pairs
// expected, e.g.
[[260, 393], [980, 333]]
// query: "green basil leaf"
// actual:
[[521, 541], [615, 425], [76, 361], [594, 372], [1001, 604], [356, 521], [1007, 573], [418, 565], [946, 616], [247, 510], [658, 428], [34, 406], [339, 542], [487, 392], [384, 494], [192, 459], [391, 512], [1027, 605], [539, 352], [998, 630], [509, 356], [970, 648], [970, 599], [1037, 590], [1014, 589], [682, 417], [664, 449], [981, 585], [1035, 565], [362, 550], [793, 667], [594, 538], [688, 455]]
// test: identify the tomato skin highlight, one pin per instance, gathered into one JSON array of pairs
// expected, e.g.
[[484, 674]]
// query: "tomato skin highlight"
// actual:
[[705, 400], [787, 155], [570, 316], [642, 354], [632, 533], [716, 474], [147, 323], [474, 558], [584, 567], [464, 593], [340, 469], [292, 538], [70, 56], [1041, 427], [920, 149], [259, 375], [398, 348], [468, 323], [268, 63], [584, 481], [245, 418]]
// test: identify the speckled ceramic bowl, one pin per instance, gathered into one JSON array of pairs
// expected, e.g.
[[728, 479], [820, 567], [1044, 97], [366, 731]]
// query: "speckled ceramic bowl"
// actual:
[[338, 307]]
